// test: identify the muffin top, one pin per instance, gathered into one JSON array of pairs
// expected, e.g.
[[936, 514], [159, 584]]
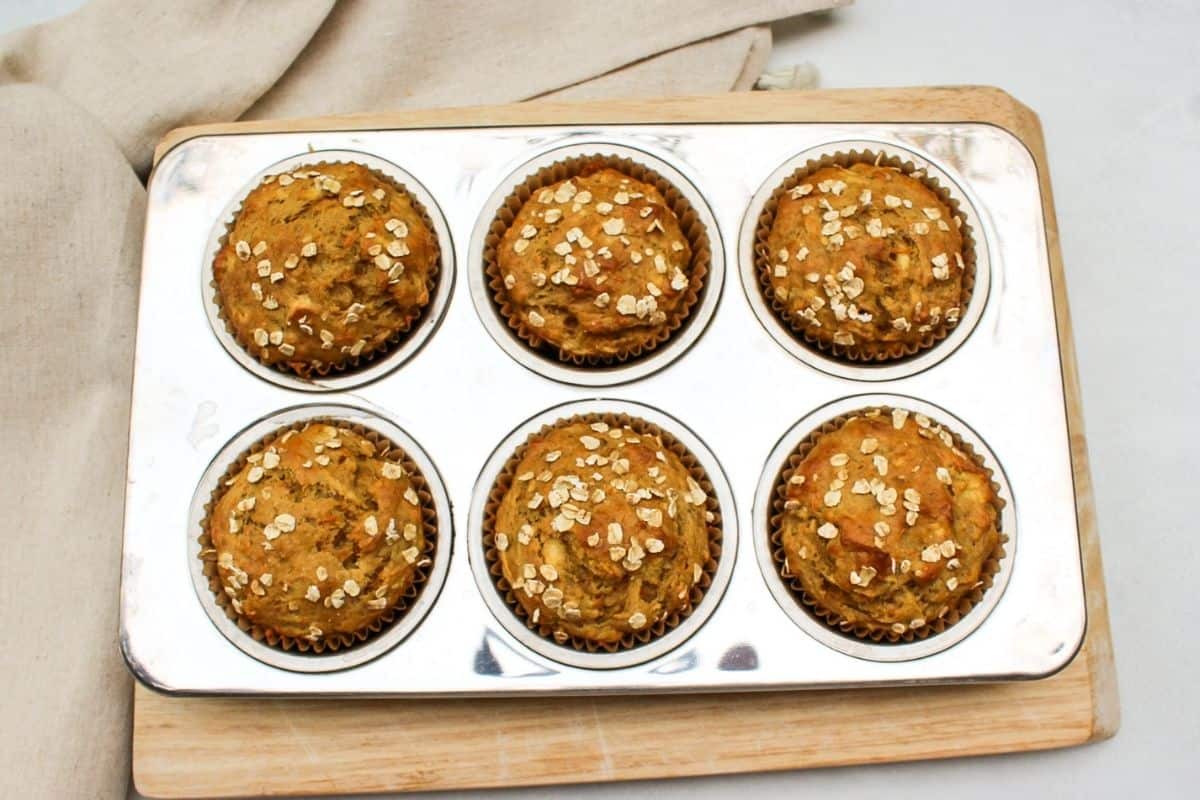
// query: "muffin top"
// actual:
[[867, 258], [887, 524], [319, 534], [596, 265], [324, 265], [603, 532]]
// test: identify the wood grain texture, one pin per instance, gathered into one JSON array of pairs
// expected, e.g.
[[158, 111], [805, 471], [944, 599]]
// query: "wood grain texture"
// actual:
[[217, 747], [943, 104], [193, 747]]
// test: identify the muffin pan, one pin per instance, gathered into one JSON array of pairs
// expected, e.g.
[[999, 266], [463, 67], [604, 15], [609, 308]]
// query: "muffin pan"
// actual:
[[732, 384]]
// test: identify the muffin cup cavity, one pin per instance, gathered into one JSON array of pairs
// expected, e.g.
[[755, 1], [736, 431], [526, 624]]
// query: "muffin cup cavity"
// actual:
[[689, 223], [655, 641], [344, 650], [504, 482], [863, 352], [826, 626], [990, 567], [885, 362], [371, 363], [679, 332]]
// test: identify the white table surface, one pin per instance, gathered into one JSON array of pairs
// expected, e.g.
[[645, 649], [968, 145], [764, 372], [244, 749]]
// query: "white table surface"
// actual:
[[1117, 86]]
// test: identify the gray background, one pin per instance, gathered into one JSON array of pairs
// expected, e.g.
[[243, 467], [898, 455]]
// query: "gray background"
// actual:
[[1117, 87]]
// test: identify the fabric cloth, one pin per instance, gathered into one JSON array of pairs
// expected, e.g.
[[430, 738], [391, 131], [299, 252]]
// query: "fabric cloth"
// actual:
[[83, 100]]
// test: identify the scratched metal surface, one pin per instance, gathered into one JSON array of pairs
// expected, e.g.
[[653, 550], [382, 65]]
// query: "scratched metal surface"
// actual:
[[733, 389]]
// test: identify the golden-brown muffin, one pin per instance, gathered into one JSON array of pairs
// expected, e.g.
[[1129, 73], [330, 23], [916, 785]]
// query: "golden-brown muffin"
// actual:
[[887, 525], [604, 534], [866, 260], [324, 266], [596, 265], [319, 535]]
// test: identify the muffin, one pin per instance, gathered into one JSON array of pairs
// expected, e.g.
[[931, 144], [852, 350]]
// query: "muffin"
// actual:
[[324, 267], [319, 537], [864, 260], [602, 531], [598, 266], [887, 526]]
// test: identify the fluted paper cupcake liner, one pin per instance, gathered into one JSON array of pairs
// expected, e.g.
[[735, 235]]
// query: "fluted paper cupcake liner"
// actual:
[[952, 615], [367, 356], [861, 352], [689, 223], [504, 482], [331, 644]]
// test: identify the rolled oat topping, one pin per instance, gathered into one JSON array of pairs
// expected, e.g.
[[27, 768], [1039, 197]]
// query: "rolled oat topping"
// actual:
[[296, 534], [908, 543], [597, 264], [609, 538], [342, 263], [881, 255]]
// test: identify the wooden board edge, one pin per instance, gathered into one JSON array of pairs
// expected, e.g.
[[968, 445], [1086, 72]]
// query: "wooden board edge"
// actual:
[[1098, 643], [939, 103], [942, 722]]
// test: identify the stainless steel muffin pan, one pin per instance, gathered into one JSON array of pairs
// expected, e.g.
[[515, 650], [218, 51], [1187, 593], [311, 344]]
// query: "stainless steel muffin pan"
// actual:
[[734, 387]]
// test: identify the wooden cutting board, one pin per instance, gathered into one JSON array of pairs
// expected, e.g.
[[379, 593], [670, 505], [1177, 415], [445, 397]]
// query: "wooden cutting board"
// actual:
[[198, 747]]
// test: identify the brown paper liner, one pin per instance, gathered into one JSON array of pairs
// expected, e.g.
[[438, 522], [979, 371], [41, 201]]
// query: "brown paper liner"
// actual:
[[862, 352], [261, 633], [366, 357], [504, 482], [988, 572], [689, 223]]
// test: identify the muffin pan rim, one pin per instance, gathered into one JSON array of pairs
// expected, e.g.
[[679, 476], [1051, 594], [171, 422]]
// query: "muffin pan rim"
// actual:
[[396, 632], [784, 595], [828, 363], [671, 639], [395, 356], [662, 356]]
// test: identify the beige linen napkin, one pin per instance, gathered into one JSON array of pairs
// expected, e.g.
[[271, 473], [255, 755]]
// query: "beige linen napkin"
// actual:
[[82, 102]]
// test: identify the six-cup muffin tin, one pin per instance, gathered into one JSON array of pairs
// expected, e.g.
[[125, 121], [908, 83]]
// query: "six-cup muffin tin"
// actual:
[[733, 385]]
